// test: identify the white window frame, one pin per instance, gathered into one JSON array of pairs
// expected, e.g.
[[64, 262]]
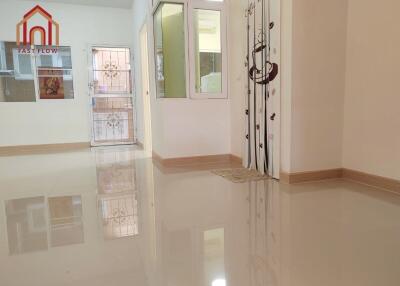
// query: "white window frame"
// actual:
[[35, 62], [34, 75], [54, 58], [213, 6], [185, 27], [3, 64], [17, 74], [188, 8]]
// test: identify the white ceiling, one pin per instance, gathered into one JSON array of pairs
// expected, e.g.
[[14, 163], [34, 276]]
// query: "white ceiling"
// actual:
[[103, 3]]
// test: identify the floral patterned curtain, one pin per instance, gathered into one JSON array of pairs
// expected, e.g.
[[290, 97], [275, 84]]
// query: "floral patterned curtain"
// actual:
[[262, 63]]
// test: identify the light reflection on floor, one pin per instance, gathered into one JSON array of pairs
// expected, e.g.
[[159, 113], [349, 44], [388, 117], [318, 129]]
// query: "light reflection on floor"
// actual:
[[110, 217], [37, 223]]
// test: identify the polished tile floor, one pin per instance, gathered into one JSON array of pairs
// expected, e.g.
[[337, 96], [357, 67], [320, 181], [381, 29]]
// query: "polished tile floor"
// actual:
[[110, 217]]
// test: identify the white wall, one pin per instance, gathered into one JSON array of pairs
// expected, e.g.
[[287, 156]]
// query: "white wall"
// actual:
[[318, 71], [286, 83], [315, 76], [341, 61], [237, 73], [195, 127], [372, 102], [138, 16], [64, 121], [339, 93], [180, 127], [313, 55]]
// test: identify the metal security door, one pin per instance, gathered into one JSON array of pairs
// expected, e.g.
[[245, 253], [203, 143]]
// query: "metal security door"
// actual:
[[112, 110]]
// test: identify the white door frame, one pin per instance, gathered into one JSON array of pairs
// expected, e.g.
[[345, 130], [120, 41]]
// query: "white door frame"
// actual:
[[145, 90]]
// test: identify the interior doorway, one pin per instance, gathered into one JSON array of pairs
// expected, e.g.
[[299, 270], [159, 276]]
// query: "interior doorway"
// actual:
[[110, 86], [144, 56]]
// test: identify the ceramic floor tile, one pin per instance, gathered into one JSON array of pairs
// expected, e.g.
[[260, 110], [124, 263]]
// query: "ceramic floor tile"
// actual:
[[110, 216]]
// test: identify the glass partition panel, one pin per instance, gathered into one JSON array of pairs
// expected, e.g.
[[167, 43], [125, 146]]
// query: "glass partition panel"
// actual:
[[2, 57], [208, 55], [169, 39], [27, 73], [16, 74], [54, 71]]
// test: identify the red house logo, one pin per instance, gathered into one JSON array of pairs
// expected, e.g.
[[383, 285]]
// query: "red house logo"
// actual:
[[47, 31]]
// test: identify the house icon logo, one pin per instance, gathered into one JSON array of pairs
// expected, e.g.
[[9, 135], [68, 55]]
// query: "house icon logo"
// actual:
[[38, 22]]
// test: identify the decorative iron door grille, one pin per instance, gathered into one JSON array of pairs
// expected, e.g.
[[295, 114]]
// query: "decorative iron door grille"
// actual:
[[119, 215], [111, 91]]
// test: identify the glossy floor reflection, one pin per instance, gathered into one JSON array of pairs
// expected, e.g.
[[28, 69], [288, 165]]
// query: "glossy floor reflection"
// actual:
[[110, 217]]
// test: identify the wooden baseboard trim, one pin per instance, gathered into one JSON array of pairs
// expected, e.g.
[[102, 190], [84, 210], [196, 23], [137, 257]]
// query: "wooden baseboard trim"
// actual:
[[302, 177], [284, 177], [196, 160], [353, 175], [372, 180], [236, 159], [156, 158], [42, 148]]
